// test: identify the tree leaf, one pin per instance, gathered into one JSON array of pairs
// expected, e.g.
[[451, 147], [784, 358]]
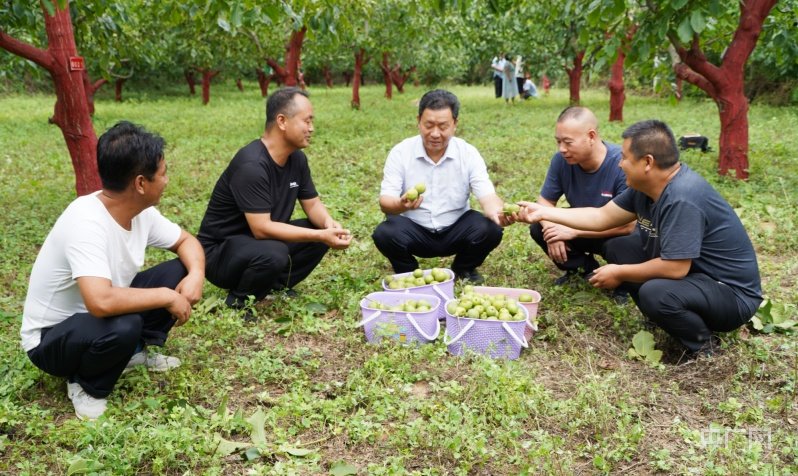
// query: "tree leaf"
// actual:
[[297, 451], [757, 323], [227, 447], [342, 468], [49, 7], [654, 356], [316, 307], [223, 24], [82, 466], [251, 454], [685, 31], [643, 342], [258, 423], [697, 21]]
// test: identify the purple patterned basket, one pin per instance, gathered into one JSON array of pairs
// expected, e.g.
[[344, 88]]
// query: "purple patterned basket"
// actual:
[[401, 326], [494, 338], [531, 307], [444, 291]]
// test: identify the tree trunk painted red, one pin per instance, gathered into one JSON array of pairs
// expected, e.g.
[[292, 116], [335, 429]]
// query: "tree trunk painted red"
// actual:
[[263, 81], [386, 75], [71, 107], [189, 75], [325, 71], [239, 85], [616, 85], [725, 83], [207, 76], [617, 95], [360, 61], [288, 74], [399, 78], [118, 89], [679, 92], [91, 88], [575, 77]]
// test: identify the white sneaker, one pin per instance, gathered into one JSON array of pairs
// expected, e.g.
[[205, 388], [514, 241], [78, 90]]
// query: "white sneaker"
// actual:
[[86, 406], [153, 361]]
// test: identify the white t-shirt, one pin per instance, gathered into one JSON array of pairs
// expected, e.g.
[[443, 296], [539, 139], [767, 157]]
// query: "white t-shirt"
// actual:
[[457, 174], [87, 241]]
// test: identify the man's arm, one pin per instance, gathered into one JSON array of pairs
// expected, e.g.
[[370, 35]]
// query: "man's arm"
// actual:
[[191, 254], [397, 205], [492, 208], [612, 275], [588, 218], [102, 299], [263, 228]]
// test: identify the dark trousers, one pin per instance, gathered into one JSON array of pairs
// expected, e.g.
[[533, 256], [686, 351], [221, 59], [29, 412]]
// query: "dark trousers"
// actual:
[[247, 266], [94, 351], [471, 238], [520, 82], [497, 86], [580, 254], [689, 309]]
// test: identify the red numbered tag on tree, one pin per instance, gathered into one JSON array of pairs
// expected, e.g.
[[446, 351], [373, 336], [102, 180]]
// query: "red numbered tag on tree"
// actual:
[[76, 63]]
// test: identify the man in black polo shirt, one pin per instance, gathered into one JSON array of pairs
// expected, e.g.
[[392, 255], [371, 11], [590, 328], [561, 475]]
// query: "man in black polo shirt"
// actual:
[[251, 244]]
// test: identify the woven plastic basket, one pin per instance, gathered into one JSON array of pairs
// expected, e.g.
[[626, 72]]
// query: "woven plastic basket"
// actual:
[[493, 338], [444, 291], [531, 307], [403, 327]]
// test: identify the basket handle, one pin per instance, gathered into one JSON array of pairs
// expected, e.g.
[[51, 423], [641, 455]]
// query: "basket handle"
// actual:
[[420, 331], [458, 336], [522, 341], [531, 325], [369, 319], [440, 293]]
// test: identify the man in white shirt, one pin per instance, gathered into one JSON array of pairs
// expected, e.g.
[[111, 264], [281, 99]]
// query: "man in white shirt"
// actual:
[[438, 222], [89, 313]]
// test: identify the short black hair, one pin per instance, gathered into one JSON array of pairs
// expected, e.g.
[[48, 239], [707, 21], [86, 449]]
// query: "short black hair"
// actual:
[[655, 138], [572, 112], [438, 99], [282, 102], [126, 151]]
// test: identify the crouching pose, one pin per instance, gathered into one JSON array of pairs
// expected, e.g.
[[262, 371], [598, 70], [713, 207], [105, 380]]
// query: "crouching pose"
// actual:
[[90, 314], [690, 267]]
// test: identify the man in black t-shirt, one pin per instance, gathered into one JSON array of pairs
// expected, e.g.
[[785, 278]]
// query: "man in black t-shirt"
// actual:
[[251, 244], [691, 267]]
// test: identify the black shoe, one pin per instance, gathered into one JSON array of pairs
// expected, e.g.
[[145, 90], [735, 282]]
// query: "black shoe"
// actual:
[[565, 278], [620, 296], [248, 316], [470, 277], [710, 348]]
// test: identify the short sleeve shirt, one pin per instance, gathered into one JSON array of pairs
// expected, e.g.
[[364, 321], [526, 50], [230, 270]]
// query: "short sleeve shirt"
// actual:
[[692, 221], [254, 183], [583, 189], [87, 241], [460, 172]]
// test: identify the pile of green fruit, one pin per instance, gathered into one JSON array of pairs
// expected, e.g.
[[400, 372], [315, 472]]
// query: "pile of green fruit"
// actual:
[[492, 307], [413, 193], [411, 305], [418, 277]]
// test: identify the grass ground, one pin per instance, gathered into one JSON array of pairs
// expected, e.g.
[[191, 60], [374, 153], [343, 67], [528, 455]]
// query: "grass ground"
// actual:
[[320, 400]]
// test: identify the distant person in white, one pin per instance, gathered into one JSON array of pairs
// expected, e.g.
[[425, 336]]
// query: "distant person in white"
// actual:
[[90, 314]]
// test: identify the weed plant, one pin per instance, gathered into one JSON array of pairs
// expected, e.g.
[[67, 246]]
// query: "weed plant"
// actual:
[[299, 392]]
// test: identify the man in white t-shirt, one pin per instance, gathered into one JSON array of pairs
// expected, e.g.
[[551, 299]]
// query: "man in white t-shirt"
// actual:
[[89, 313], [440, 221]]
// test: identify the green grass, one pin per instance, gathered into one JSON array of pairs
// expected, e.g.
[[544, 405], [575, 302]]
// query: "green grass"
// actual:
[[573, 402]]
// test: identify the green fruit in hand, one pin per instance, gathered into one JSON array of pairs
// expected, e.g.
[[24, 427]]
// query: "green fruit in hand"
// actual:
[[411, 194], [420, 188], [510, 208]]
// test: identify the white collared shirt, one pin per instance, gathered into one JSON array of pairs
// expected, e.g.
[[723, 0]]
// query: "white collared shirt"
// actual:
[[460, 172]]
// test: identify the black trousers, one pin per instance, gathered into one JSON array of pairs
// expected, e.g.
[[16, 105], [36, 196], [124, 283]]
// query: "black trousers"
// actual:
[[689, 309], [497, 86], [581, 250], [471, 238], [247, 266], [94, 351]]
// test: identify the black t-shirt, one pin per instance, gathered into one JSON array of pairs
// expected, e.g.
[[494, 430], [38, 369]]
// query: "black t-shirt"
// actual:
[[254, 183], [692, 221]]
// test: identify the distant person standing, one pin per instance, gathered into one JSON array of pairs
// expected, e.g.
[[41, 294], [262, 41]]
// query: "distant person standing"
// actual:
[[498, 66], [519, 72], [509, 86]]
